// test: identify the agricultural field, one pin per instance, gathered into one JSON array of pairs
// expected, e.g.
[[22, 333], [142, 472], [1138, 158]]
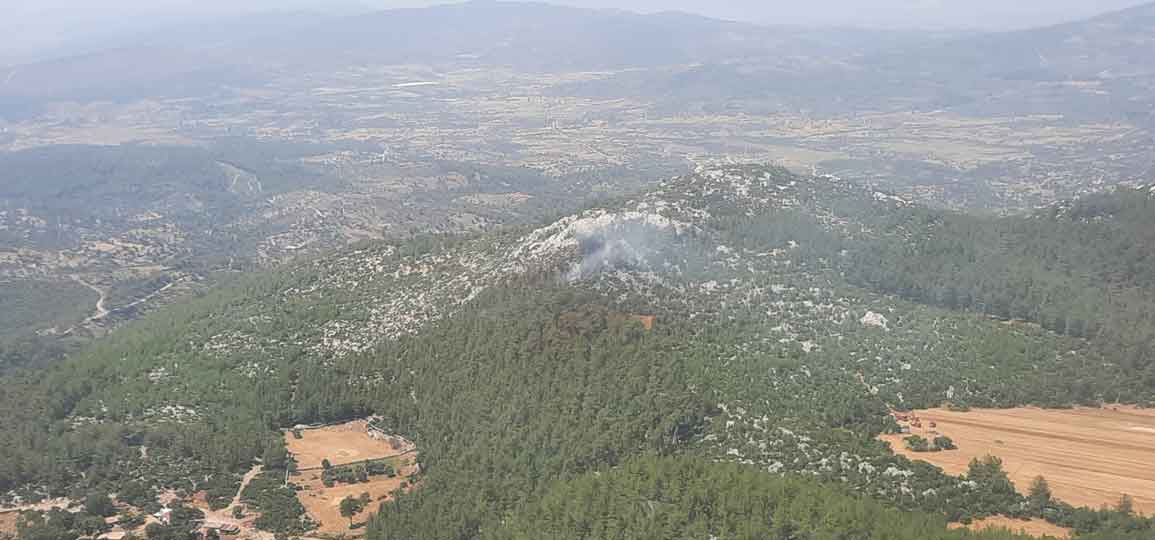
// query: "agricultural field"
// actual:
[[1090, 457], [324, 503], [554, 124], [342, 444], [347, 446], [1033, 527]]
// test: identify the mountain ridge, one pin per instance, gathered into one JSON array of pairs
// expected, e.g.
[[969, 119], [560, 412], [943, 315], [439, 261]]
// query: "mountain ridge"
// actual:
[[516, 357], [743, 61]]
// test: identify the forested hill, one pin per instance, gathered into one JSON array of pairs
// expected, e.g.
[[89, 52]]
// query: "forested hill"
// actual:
[[1083, 268], [790, 315]]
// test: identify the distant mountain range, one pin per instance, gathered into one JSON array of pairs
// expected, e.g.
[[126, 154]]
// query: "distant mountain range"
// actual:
[[1115, 45], [855, 68]]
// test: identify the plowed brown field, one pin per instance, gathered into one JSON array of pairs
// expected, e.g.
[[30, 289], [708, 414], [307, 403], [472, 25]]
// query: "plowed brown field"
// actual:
[[1090, 457]]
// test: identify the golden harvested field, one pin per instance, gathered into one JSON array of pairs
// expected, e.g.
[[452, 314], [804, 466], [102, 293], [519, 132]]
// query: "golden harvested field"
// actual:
[[345, 443], [323, 504], [1034, 527], [1090, 457]]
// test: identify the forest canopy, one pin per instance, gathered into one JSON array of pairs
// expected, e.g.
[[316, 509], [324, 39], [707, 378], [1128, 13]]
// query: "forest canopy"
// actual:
[[696, 389]]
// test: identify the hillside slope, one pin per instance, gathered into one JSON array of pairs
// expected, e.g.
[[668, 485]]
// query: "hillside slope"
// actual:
[[1097, 68], [517, 358], [1109, 46], [142, 224]]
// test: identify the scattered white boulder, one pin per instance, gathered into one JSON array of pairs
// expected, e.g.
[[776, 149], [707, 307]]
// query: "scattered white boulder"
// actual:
[[877, 320]]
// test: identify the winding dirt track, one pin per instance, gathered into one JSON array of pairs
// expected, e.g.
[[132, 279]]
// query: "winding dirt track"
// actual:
[[101, 312], [1090, 457]]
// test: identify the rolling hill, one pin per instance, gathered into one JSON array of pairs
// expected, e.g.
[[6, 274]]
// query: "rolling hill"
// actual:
[[711, 355], [138, 226], [517, 358]]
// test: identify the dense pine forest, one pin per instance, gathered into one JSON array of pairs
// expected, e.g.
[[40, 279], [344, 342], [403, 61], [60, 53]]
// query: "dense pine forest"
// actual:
[[1083, 269], [792, 315], [693, 498]]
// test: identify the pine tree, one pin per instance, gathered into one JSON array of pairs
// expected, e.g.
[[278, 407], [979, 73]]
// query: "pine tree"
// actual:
[[1039, 496]]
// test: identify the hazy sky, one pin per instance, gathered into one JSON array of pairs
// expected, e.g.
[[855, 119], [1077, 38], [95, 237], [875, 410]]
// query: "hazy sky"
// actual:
[[938, 14], [31, 24]]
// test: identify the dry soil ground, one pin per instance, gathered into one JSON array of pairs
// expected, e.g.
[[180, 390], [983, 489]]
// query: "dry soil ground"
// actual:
[[8, 524], [1034, 527], [1090, 457], [225, 515], [344, 444], [323, 504], [340, 444], [9, 515]]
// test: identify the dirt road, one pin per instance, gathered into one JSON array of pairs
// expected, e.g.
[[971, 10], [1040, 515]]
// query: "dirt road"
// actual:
[[101, 312], [248, 477]]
